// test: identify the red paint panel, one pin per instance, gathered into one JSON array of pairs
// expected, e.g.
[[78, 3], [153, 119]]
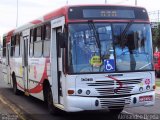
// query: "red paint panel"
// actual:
[[8, 37], [36, 22], [157, 61], [57, 13], [37, 89]]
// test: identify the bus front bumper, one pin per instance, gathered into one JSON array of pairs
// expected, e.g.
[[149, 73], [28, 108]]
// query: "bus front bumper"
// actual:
[[79, 103]]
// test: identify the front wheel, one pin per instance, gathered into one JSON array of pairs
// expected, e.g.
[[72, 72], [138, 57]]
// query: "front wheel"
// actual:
[[157, 73], [51, 108], [115, 112]]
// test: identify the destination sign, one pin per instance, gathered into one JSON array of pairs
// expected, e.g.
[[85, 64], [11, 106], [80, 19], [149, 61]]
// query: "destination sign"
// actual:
[[106, 12], [102, 13]]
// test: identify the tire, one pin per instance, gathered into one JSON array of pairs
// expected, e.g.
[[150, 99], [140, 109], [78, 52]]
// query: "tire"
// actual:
[[157, 74], [115, 112], [15, 90], [51, 108]]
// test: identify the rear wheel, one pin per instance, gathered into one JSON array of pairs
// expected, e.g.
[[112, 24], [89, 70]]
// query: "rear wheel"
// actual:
[[15, 90]]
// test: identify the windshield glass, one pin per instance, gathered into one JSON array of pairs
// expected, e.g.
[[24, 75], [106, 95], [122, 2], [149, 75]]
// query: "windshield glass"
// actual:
[[105, 47]]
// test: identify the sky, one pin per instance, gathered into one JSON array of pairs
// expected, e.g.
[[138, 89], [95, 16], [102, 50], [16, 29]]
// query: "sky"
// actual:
[[29, 10]]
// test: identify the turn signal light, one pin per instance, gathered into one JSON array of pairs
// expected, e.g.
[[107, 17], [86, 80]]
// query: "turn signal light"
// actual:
[[154, 87], [70, 92]]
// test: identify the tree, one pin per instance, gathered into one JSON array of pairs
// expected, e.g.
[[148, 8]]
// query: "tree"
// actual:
[[156, 37]]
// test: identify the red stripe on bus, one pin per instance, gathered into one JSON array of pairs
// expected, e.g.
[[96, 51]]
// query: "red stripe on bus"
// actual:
[[8, 37], [120, 84], [20, 86], [36, 22], [55, 14]]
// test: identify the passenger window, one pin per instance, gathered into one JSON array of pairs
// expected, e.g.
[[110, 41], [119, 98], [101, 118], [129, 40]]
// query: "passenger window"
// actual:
[[20, 45], [47, 35], [47, 32], [38, 43], [17, 45], [4, 46], [38, 34], [31, 43], [12, 46]]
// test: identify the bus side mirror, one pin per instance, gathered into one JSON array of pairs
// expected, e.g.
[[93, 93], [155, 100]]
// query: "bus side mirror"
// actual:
[[61, 39]]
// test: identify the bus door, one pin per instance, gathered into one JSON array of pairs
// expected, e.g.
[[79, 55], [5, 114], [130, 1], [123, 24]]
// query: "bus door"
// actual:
[[8, 63], [25, 59], [56, 60]]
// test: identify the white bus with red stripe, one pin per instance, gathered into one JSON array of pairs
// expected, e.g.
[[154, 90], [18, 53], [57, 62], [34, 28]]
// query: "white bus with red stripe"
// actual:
[[86, 57]]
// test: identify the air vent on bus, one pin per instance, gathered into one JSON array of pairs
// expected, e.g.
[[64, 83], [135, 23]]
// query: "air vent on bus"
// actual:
[[114, 102], [111, 90]]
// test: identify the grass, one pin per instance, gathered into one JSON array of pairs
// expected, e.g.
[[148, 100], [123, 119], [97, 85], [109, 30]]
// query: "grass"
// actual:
[[158, 83]]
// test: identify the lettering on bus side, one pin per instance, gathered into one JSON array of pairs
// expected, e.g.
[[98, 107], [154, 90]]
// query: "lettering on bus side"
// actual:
[[86, 79]]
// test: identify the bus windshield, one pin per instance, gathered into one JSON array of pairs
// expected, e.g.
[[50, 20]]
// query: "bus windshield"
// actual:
[[109, 47]]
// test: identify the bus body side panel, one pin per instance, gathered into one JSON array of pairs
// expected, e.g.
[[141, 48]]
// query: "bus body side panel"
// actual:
[[37, 74], [16, 68], [20, 65], [4, 69], [5, 66], [8, 62]]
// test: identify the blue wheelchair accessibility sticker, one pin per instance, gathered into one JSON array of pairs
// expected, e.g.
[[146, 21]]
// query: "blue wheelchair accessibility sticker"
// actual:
[[109, 65]]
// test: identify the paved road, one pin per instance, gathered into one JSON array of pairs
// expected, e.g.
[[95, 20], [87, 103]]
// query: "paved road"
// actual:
[[29, 108], [36, 109]]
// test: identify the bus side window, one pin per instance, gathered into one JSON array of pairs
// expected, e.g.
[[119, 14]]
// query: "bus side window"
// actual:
[[39, 34], [21, 38], [31, 52], [38, 42], [17, 45], [47, 37], [4, 46], [12, 46]]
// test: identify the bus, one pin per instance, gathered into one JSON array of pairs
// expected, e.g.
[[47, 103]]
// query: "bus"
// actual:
[[157, 63], [0, 54], [83, 57]]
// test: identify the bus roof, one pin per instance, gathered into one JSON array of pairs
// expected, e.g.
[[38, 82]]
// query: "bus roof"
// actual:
[[58, 13]]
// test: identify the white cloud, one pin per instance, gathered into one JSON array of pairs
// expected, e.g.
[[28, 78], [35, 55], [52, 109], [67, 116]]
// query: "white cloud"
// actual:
[[32, 9]]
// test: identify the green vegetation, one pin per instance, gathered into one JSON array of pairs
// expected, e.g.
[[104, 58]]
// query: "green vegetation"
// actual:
[[158, 83], [156, 37]]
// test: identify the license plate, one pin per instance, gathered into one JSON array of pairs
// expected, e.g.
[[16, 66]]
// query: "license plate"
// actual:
[[145, 98]]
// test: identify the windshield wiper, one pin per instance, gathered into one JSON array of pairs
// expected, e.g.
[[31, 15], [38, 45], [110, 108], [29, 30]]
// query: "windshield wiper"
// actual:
[[144, 66], [96, 35], [124, 33]]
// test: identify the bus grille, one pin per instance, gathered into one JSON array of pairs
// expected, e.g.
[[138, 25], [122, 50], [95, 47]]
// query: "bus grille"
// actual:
[[111, 90], [115, 102], [111, 82], [112, 87], [132, 81], [102, 83]]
